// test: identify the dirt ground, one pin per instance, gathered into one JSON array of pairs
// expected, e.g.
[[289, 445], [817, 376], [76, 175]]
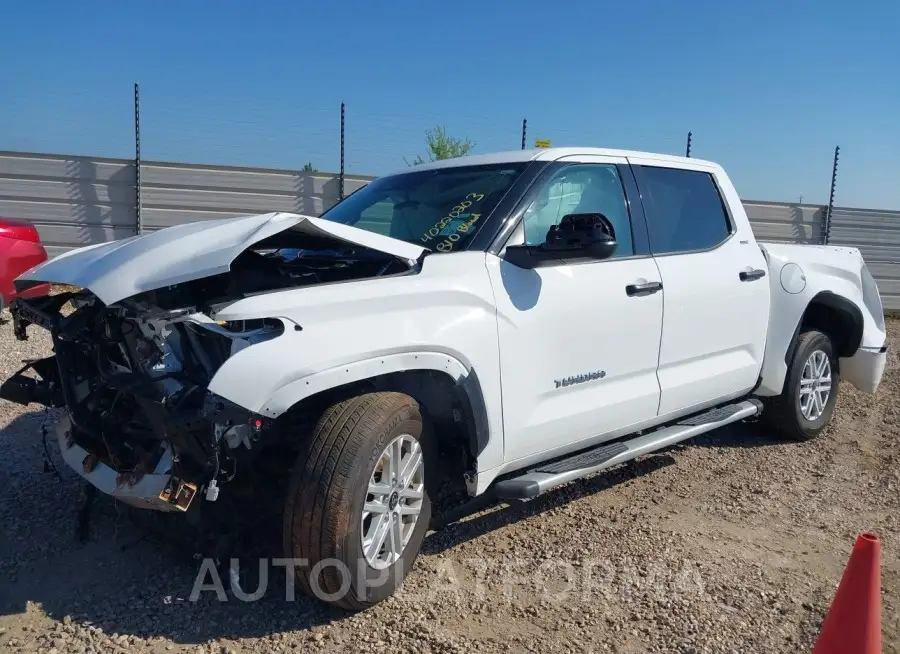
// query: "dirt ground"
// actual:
[[733, 542]]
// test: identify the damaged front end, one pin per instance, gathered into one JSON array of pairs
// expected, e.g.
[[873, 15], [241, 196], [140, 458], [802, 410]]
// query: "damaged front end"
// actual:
[[140, 423], [136, 345]]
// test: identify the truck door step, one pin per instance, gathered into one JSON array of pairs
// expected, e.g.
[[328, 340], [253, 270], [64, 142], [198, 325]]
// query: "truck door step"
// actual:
[[545, 476], [587, 459], [713, 415]]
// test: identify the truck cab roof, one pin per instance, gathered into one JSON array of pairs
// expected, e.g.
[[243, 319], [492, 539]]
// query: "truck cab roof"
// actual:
[[552, 154]]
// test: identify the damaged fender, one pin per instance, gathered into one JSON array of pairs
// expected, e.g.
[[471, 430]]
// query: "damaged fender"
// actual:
[[327, 345]]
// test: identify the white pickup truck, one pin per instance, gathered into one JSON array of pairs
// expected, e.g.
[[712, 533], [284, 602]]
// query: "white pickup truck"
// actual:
[[515, 320]]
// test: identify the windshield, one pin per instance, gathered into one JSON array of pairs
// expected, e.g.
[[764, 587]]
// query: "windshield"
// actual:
[[438, 209]]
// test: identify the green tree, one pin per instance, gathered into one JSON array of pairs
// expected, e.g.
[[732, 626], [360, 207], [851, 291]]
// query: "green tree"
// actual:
[[442, 146], [308, 168]]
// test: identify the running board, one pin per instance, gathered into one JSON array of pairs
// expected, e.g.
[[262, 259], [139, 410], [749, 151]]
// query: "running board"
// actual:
[[549, 475]]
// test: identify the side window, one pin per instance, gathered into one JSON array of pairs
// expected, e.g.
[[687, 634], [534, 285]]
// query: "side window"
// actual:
[[583, 188], [685, 211]]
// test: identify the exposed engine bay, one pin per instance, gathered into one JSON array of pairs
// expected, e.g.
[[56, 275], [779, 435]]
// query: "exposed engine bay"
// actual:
[[141, 424]]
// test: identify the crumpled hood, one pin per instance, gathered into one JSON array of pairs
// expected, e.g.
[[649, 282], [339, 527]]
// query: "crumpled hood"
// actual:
[[120, 269]]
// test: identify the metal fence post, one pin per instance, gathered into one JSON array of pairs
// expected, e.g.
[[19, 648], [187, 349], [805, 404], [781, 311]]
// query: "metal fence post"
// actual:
[[139, 225], [687, 152], [834, 165], [342, 153], [524, 129]]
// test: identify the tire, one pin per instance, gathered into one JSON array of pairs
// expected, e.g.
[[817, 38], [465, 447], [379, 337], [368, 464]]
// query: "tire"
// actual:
[[328, 492], [786, 412]]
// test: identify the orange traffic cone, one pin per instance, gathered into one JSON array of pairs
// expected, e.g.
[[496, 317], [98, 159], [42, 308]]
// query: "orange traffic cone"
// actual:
[[853, 623]]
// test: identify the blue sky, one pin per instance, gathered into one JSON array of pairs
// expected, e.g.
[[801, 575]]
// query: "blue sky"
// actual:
[[768, 87]]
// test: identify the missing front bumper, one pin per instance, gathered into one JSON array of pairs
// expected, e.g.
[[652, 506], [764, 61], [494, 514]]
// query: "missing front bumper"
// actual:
[[158, 490]]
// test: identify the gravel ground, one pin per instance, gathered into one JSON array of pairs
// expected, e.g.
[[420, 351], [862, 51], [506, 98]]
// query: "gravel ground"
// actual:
[[732, 543]]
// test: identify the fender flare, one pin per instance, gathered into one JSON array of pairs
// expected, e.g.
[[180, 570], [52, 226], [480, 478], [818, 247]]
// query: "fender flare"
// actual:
[[840, 304], [467, 385]]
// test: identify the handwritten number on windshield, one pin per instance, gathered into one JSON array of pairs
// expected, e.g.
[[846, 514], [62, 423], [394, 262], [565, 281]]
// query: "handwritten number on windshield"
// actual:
[[443, 222], [447, 244]]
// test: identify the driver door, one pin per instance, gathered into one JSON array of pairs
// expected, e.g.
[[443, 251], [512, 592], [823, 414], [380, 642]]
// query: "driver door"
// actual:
[[578, 351]]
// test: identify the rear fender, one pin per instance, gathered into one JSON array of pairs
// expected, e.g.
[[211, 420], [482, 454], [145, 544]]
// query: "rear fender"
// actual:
[[853, 323], [806, 277]]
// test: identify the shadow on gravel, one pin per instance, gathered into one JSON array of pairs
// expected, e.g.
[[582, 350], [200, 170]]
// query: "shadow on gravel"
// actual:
[[135, 573], [741, 434], [460, 532]]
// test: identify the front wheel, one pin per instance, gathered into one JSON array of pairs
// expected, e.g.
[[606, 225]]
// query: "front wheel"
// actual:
[[358, 506], [807, 402]]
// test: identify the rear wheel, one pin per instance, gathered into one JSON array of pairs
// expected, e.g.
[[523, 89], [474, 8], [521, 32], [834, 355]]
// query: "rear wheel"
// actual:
[[358, 506], [806, 405]]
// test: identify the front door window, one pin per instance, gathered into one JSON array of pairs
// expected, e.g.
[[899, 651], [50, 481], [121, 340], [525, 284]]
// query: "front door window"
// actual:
[[583, 188]]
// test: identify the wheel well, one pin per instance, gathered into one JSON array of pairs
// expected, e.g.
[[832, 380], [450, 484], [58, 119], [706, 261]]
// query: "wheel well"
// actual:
[[447, 406], [838, 318]]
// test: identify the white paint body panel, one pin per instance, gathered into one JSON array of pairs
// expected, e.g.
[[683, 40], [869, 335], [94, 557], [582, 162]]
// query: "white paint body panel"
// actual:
[[714, 324], [711, 351], [831, 269], [576, 319], [443, 319]]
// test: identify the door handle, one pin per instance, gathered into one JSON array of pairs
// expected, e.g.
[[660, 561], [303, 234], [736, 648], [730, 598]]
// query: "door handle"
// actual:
[[751, 275], [647, 288]]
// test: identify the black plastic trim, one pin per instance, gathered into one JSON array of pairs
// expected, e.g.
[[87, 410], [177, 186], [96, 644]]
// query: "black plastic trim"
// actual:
[[839, 303], [842, 304], [751, 275], [584, 461], [477, 423], [514, 217], [710, 416], [516, 489], [789, 353], [639, 290], [497, 222], [639, 232]]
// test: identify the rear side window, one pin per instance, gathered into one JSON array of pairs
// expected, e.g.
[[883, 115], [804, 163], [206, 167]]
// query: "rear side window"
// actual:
[[684, 210]]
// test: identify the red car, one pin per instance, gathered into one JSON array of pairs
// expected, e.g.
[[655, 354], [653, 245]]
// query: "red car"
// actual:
[[20, 250]]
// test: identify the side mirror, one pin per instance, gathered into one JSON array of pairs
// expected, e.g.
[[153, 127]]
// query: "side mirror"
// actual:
[[578, 237]]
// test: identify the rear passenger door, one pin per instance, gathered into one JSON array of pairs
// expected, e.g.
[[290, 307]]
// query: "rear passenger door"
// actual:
[[714, 318]]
